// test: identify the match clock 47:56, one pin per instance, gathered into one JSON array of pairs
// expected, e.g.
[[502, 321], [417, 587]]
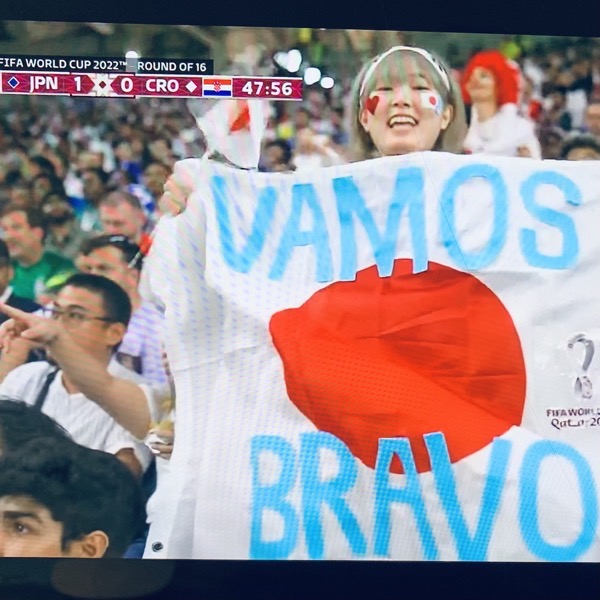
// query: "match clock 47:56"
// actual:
[[271, 88]]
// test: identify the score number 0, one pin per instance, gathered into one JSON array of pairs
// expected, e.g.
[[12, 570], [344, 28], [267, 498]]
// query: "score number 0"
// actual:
[[275, 88]]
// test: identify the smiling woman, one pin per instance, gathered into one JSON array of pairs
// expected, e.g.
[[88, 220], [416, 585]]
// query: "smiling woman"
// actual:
[[405, 101]]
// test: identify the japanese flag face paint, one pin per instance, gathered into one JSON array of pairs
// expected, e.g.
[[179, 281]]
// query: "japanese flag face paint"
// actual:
[[403, 108], [431, 100]]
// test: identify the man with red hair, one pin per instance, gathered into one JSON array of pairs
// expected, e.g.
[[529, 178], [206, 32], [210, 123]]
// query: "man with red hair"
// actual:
[[491, 84]]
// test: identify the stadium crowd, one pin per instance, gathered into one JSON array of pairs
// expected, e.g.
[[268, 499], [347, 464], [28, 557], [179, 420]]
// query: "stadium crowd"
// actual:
[[80, 184]]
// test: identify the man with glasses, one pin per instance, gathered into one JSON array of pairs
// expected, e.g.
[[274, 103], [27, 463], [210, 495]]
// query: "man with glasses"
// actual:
[[119, 259], [92, 313]]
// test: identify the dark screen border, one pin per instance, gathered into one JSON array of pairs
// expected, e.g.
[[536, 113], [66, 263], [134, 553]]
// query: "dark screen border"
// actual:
[[236, 580]]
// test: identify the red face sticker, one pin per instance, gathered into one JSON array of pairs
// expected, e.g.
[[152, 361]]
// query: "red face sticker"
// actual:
[[371, 103], [242, 121], [404, 356]]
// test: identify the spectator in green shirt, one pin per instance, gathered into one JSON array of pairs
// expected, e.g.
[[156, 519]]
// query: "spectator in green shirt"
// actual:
[[33, 266]]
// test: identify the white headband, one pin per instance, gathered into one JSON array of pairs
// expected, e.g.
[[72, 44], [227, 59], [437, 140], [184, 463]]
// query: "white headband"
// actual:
[[426, 55]]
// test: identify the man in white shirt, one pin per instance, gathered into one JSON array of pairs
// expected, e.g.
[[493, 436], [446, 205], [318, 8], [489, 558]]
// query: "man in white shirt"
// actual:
[[89, 318], [119, 259]]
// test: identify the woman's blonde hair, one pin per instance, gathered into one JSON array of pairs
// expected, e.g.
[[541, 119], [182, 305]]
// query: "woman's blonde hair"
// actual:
[[449, 140]]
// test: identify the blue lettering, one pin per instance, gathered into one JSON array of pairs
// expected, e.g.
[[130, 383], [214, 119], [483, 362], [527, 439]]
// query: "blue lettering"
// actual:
[[409, 494], [292, 236], [469, 547], [528, 239], [485, 257], [408, 189], [528, 502], [243, 260], [316, 492], [273, 497], [472, 546]]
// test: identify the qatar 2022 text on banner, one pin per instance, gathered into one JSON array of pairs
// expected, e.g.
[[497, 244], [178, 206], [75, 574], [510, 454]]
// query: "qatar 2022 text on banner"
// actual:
[[391, 359]]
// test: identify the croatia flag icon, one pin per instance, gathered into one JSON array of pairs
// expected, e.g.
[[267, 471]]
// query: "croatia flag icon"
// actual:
[[217, 86]]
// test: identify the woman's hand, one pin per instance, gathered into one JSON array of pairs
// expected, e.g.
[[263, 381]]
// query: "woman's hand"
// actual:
[[174, 199], [524, 152], [160, 442], [176, 192]]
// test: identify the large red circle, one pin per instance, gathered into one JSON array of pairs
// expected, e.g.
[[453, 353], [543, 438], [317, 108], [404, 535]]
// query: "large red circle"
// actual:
[[403, 356]]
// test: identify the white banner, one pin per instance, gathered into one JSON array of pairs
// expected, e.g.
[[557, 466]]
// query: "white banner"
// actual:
[[393, 359]]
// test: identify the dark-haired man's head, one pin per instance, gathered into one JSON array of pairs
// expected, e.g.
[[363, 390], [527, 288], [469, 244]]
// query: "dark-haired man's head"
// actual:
[[94, 184], [112, 256], [44, 184], [551, 140], [278, 156], [38, 165], [6, 269], [20, 194], [160, 149], [558, 95], [155, 177], [57, 209], [24, 233], [21, 423], [302, 118], [95, 311], [337, 116], [67, 501], [592, 118], [581, 147], [122, 150], [122, 214], [13, 177]]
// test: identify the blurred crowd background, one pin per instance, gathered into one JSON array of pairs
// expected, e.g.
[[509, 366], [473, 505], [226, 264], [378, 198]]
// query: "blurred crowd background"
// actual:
[[133, 143]]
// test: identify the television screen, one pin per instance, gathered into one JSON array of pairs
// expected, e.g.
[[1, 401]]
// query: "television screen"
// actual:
[[302, 294]]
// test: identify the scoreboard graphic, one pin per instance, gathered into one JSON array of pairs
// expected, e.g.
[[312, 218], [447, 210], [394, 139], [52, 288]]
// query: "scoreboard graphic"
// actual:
[[101, 85], [65, 76]]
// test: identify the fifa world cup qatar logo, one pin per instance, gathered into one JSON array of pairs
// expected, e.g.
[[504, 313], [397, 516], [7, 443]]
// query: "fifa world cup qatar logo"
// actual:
[[583, 385]]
